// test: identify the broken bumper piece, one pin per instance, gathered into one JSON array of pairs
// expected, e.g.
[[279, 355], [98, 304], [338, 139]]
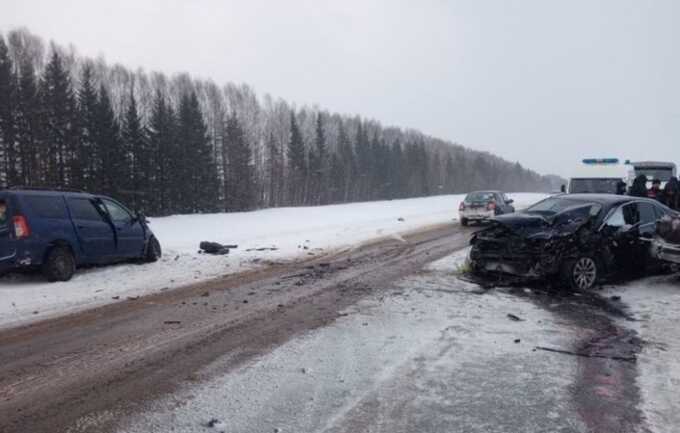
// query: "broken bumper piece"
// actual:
[[519, 267]]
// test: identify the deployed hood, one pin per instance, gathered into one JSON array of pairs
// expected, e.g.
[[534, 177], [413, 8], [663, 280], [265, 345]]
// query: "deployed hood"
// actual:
[[519, 224], [521, 220], [530, 224]]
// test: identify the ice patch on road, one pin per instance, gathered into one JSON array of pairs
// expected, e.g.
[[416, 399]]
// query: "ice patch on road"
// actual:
[[294, 232]]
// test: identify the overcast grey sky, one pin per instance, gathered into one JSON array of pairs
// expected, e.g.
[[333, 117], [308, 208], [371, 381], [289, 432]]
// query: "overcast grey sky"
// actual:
[[546, 83]]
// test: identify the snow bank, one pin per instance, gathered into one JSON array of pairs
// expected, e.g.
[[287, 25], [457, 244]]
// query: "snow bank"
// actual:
[[294, 232]]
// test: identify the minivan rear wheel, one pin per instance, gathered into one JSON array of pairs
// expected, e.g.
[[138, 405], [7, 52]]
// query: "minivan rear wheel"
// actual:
[[59, 265]]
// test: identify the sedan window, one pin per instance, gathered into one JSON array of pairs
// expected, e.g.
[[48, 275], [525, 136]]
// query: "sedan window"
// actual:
[[479, 196], [647, 213], [624, 215]]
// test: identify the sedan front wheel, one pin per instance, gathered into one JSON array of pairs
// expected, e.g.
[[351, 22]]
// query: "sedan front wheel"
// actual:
[[581, 273]]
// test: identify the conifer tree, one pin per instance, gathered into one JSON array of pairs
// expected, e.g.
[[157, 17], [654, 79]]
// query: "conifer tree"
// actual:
[[60, 125], [138, 165], [239, 175], [29, 114], [110, 160], [297, 165], [9, 155], [87, 150]]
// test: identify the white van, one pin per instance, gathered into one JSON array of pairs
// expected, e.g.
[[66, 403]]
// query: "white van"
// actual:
[[653, 170], [603, 175]]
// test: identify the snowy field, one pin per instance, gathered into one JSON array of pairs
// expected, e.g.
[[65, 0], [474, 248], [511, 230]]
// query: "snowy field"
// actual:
[[293, 232]]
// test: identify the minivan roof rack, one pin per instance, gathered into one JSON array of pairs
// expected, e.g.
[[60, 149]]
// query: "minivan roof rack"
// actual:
[[43, 188]]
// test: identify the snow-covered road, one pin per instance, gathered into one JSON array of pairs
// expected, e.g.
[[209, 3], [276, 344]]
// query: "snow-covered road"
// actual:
[[435, 355], [430, 356], [294, 232], [655, 305]]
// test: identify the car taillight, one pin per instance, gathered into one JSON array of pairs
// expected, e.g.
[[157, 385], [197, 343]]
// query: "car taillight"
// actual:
[[491, 205], [21, 228], [462, 206]]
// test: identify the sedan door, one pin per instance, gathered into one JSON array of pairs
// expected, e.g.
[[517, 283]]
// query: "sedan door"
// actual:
[[621, 232], [94, 232], [129, 231]]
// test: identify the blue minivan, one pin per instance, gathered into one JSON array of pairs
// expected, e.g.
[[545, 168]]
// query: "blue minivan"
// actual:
[[56, 231]]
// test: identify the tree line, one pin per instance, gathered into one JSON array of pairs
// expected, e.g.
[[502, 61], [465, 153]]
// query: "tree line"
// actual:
[[182, 145]]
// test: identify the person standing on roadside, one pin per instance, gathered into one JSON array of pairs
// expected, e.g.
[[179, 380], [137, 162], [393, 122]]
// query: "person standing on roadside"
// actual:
[[671, 193], [639, 187], [655, 192]]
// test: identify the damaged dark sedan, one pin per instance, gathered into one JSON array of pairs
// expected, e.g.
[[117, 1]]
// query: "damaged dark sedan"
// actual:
[[582, 239]]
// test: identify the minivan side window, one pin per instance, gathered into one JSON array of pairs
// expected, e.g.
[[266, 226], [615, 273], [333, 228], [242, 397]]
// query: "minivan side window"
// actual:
[[46, 206], [118, 213], [83, 209]]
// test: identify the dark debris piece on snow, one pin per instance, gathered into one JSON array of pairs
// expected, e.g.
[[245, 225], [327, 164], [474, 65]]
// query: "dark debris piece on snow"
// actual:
[[216, 424], [263, 249], [514, 318], [215, 248]]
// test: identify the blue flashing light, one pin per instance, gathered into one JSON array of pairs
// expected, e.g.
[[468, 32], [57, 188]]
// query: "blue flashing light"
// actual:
[[601, 161]]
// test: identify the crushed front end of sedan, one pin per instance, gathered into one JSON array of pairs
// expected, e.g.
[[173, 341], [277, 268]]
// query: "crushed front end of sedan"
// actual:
[[580, 238]]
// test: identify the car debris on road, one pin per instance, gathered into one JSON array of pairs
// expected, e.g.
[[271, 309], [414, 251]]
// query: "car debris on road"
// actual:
[[215, 248]]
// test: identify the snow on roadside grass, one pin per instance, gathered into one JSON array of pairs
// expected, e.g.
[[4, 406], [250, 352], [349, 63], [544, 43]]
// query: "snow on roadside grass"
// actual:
[[295, 232]]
